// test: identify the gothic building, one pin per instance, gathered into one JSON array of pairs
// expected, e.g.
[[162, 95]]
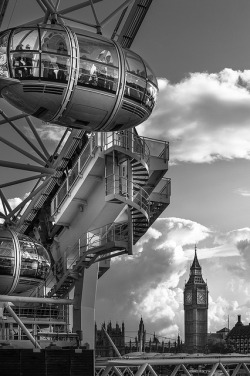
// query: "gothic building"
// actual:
[[103, 347], [195, 308]]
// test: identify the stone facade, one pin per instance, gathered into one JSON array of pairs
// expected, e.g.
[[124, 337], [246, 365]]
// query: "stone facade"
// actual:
[[196, 310]]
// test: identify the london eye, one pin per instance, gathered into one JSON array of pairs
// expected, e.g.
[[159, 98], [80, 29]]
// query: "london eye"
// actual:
[[94, 194]]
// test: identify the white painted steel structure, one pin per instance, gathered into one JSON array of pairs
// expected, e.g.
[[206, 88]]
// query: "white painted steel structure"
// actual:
[[183, 364], [94, 197]]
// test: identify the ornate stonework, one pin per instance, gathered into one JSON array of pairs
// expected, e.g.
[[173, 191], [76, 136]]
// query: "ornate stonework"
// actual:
[[195, 308]]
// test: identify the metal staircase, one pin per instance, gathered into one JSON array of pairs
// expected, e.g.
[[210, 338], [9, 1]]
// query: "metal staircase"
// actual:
[[137, 192], [120, 189], [140, 221], [95, 246]]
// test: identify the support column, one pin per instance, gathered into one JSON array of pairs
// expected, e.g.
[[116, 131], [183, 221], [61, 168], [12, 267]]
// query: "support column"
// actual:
[[84, 306]]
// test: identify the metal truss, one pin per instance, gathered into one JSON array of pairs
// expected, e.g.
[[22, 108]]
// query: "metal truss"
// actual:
[[189, 365], [131, 14], [26, 141]]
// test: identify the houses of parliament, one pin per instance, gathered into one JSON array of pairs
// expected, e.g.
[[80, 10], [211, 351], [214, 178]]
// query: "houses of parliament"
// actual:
[[197, 339]]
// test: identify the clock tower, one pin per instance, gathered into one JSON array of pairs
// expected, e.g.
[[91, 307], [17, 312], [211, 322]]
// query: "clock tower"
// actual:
[[195, 308]]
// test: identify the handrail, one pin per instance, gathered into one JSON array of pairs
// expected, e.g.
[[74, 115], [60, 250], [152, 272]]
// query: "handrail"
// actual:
[[81, 163], [143, 147], [165, 187], [129, 141], [162, 153], [118, 185], [94, 238]]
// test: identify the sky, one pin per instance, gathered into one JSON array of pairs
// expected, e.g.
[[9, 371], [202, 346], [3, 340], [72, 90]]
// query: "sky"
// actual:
[[200, 53]]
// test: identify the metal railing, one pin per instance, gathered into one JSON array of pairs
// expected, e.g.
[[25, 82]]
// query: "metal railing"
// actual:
[[127, 189], [97, 237], [175, 364], [157, 148], [143, 147], [129, 141], [74, 174], [48, 312], [164, 187]]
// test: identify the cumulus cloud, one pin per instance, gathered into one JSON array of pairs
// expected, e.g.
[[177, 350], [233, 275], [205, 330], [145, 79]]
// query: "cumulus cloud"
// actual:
[[13, 202], [205, 117], [150, 284], [243, 192], [51, 132]]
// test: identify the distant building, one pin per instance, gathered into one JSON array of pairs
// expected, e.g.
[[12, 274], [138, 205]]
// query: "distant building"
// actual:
[[220, 334], [239, 336], [195, 308], [104, 348]]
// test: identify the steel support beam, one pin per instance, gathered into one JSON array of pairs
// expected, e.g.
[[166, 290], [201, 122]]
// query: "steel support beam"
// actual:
[[22, 326], [27, 167], [24, 202], [141, 369], [133, 22], [14, 182], [30, 299]]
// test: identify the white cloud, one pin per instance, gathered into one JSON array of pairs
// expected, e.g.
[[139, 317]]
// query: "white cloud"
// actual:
[[152, 283], [243, 192], [14, 202], [205, 117], [51, 132]]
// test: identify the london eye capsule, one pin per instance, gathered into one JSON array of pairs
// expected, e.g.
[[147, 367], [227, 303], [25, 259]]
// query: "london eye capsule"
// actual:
[[24, 263], [75, 78]]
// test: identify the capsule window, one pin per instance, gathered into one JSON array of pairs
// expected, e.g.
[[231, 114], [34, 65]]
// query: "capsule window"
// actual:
[[24, 56], [43, 262], [150, 96], [55, 41], [135, 87], [24, 39], [134, 64], [6, 256], [55, 61], [3, 55], [97, 50], [98, 64], [29, 259], [150, 74]]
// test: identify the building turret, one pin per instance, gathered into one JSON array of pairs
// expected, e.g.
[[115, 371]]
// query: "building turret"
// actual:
[[141, 336], [195, 307]]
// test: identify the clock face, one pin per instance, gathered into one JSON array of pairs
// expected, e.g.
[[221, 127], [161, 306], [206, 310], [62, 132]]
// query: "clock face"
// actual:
[[201, 297], [188, 297]]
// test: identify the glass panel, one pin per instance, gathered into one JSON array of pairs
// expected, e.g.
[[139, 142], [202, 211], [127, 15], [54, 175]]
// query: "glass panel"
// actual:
[[25, 39], [55, 67], [151, 96], [135, 64], [104, 77], [55, 41], [29, 259], [97, 50], [62, 192], [6, 256], [73, 173], [3, 55], [150, 74], [25, 65], [135, 87], [43, 262]]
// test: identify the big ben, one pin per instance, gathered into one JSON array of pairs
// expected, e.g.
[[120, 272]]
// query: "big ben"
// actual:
[[195, 308]]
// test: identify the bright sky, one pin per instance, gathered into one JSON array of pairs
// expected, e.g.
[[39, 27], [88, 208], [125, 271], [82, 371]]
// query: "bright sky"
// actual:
[[198, 50]]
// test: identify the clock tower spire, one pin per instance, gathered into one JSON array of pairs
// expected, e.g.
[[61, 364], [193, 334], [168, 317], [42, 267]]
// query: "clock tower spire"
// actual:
[[195, 308]]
